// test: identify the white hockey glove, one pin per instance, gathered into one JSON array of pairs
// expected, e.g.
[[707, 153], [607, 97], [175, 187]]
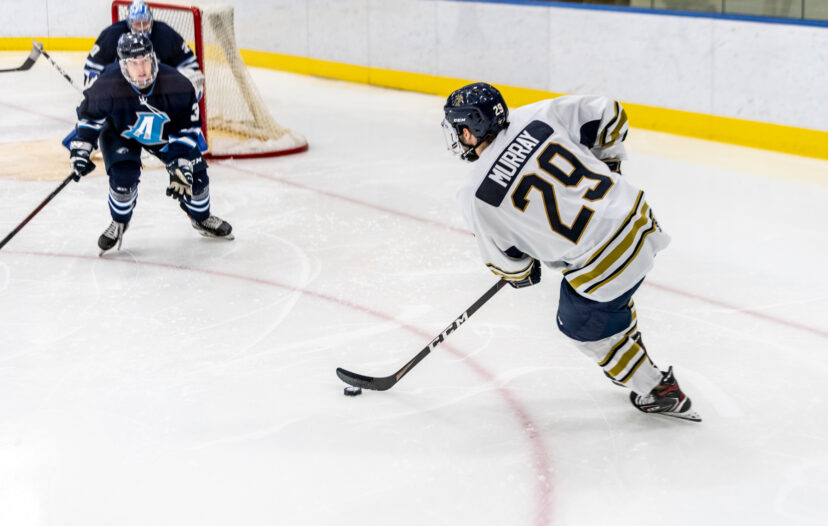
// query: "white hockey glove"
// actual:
[[533, 278], [181, 179], [196, 78], [79, 152]]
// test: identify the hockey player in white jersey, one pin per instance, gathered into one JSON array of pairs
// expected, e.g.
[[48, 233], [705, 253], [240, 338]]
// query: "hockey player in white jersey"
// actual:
[[546, 189]]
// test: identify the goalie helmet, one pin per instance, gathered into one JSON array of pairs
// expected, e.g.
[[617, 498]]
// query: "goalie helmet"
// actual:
[[480, 108], [139, 17], [137, 59]]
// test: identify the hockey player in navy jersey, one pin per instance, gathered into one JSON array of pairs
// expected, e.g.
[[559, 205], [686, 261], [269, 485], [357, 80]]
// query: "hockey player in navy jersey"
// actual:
[[169, 47], [546, 189], [141, 104]]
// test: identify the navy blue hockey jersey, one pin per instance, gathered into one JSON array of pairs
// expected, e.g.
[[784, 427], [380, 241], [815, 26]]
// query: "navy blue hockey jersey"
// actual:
[[169, 47], [164, 118]]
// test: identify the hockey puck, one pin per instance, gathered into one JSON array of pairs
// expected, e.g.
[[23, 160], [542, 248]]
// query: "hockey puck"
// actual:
[[353, 391]]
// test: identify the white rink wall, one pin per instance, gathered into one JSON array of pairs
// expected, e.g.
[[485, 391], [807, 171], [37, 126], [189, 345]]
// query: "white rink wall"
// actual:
[[774, 73]]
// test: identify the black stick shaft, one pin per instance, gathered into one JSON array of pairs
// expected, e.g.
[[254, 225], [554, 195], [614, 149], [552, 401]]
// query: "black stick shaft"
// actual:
[[448, 330], [36, 210], [385, 383], [39, 46]]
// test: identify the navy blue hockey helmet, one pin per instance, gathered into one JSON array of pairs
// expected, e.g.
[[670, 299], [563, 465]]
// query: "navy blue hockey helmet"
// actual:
[[480, 108], [136, 48], [139, 17]]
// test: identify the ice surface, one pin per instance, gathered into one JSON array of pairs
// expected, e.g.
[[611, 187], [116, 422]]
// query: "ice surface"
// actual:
[[188, 381]]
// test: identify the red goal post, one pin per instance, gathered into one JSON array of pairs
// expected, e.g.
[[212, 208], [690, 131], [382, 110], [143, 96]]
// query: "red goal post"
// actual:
[[236, 122]]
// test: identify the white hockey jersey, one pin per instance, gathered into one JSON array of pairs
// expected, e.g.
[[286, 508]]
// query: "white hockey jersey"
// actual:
[[540, 190]]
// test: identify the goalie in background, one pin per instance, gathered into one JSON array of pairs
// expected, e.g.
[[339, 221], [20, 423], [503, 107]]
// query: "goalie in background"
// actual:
[[170, 48], [546, 188], [141, 104]]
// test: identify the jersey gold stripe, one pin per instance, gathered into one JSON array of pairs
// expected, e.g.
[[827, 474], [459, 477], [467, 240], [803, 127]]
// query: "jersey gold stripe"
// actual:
[[616, 253], [617, 233], [610, 123], [630, 374], [608, 358], [617, 131], [626, 264], [625, 360]]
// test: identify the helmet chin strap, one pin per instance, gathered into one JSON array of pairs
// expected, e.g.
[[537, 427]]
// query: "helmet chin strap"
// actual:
[[470, 154]]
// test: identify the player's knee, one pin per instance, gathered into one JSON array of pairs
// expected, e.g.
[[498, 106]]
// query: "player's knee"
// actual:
[[585, 320], [201, 184], [124, 174]]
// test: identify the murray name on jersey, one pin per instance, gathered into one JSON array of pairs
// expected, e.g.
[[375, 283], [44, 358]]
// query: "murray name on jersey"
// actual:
[[164, 120], [502, 173], [541, 192]]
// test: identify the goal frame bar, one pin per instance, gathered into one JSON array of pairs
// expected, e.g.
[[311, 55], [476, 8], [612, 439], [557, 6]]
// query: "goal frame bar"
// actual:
[[202, 104]]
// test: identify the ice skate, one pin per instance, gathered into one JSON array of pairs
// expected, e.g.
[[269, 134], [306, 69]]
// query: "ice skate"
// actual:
[[213, 226], [666, 399], [113, 235]]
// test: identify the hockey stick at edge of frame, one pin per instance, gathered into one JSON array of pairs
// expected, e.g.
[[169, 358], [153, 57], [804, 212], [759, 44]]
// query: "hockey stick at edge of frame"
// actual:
[[27, 65], [71, 177]]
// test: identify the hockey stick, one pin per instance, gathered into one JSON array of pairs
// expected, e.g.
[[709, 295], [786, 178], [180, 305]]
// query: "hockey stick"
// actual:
[[387, 382], [72, 177], [42, 51], [27, 65]]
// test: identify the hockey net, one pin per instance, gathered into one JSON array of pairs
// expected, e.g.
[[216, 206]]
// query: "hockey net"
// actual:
[[236, 122]]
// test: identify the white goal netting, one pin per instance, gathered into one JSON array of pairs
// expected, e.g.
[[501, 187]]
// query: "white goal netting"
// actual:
[[237, 123]]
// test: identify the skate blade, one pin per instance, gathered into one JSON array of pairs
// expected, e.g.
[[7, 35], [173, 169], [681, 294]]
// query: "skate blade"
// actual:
[[228, 237], [692, 416]]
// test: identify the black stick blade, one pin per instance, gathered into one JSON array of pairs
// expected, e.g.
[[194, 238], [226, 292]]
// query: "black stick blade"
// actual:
[[27, 65], [366, 382]]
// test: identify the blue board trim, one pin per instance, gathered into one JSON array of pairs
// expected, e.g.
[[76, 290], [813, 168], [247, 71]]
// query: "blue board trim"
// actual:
[[658, 12]]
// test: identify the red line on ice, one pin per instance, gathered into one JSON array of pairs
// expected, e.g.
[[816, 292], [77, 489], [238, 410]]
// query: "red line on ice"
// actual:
[[647, 283], [33, 112], [542, 464]]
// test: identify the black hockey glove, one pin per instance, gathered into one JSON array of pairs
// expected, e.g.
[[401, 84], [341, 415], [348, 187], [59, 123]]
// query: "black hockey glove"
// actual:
[[79, 158], [614, 164], [181, 179], [533, 278]]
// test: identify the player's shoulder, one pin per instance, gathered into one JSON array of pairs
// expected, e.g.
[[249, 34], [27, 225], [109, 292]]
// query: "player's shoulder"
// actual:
[[160, 24], [547, 116], [110, 84], [111, 77], [168, 72], [172, 79], [114, 31], [530, 111], [162, 31]]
